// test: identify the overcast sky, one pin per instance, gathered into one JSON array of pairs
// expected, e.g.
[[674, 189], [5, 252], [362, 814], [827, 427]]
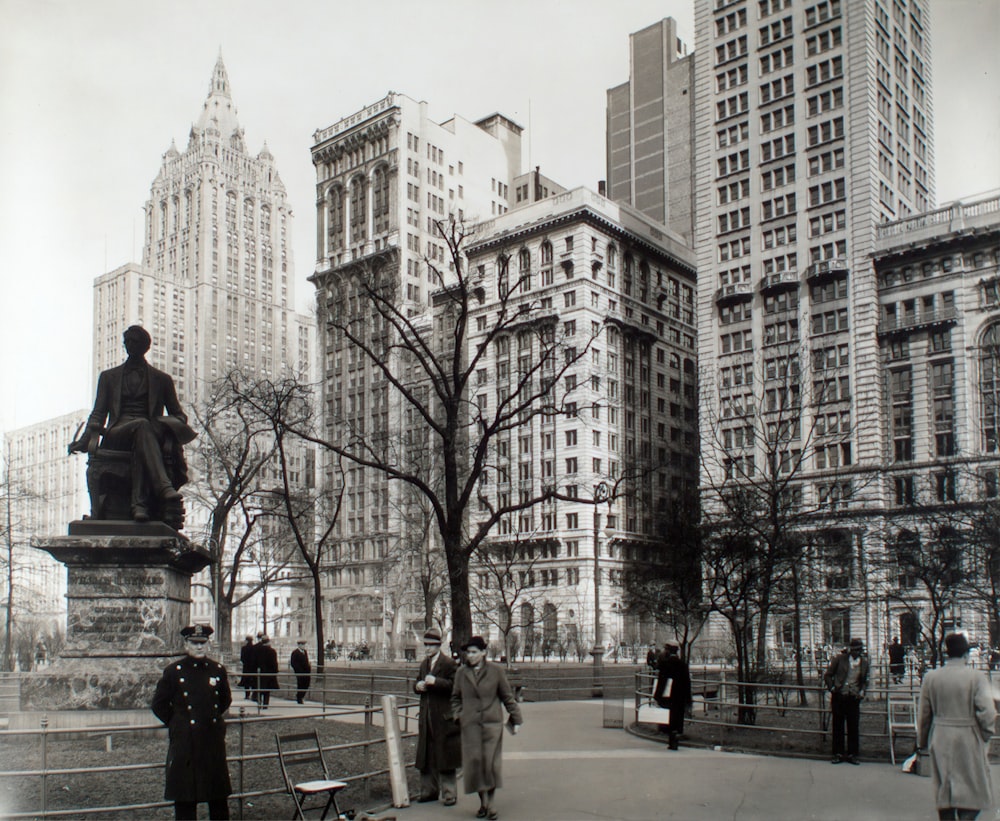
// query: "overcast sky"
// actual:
[[92, 93]]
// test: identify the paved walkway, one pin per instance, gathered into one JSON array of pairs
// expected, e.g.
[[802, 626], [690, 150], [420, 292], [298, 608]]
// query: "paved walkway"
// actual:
[[563, 766]]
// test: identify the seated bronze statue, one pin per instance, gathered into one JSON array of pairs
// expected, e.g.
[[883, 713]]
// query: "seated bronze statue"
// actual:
[[139, 464]]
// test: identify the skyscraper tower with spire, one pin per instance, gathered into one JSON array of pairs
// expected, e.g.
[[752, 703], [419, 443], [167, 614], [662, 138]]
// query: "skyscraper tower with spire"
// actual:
[[216, 285]]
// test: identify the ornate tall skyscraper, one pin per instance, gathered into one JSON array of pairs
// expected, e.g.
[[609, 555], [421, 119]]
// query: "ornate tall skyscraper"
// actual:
[[216, 285]]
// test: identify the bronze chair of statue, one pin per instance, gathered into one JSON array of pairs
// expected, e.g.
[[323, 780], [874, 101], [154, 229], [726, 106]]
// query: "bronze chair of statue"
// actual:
[[109, 482]]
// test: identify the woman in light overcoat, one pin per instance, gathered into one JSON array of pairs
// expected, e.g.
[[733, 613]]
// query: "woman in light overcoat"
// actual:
[[957, 715], [480, 688]]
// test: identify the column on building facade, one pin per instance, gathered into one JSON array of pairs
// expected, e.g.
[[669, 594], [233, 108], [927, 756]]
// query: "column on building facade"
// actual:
[[369, 210], [323, 224], [346, 193]]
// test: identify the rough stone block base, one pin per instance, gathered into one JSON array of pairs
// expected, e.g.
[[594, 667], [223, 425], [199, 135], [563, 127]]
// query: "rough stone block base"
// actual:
[[128, 596]]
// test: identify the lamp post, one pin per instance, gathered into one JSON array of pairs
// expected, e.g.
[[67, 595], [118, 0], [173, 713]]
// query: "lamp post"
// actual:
[[601, 495]]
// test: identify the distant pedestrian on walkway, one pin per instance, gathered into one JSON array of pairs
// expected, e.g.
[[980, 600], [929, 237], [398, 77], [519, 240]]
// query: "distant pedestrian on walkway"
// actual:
[[957, 715], [248, 668], [267, 671], [673, 689], [847, 679], [652, 660], [302, 668], [191, 698], [480, 688], [439, 746], [897, 661]]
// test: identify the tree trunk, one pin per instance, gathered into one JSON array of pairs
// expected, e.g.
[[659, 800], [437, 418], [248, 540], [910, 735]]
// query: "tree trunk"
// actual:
[[461, 604], [224, 627], [318, 617], [797, 635]]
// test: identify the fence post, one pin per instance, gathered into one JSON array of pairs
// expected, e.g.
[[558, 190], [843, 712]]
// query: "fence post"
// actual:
[[394, 753], [243, 714], [368, 735], [45, 758]]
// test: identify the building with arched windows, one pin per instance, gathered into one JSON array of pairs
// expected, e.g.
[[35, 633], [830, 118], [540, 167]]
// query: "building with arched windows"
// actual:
[[604, 298], [387, 177], [938, 276]]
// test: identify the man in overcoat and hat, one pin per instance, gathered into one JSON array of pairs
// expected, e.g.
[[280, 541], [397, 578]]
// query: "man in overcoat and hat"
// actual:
[[267, 671], [439, 745], [957, 716], [673, 689], [847, 679], [300, 665], [191, 698]]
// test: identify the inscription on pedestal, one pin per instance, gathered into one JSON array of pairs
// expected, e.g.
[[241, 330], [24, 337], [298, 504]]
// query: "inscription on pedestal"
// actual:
[[127, 596]]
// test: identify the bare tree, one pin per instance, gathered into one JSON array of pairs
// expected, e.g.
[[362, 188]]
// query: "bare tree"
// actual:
[[309, 514], [667, 588], [14, 495], [767, 427], [234, 449], [983, 583], [935, 544], [508, 595], [425, 361]]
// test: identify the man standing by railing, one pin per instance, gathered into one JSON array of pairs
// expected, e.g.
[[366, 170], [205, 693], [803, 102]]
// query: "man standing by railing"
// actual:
[[847, 679]]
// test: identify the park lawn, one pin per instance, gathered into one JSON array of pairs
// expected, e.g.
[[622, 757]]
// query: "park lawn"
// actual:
[[121, 787]]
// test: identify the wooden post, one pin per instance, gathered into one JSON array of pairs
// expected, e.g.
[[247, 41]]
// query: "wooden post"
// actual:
[[394, 752]]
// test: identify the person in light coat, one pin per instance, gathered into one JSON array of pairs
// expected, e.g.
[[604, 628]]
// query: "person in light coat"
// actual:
[[480, 687], [957, 716]]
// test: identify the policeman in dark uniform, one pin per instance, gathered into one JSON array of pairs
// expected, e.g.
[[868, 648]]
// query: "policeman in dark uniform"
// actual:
[[190, 699]]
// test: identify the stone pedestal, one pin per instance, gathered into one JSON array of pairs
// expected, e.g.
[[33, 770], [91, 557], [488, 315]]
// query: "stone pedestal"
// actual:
[[128, 596]]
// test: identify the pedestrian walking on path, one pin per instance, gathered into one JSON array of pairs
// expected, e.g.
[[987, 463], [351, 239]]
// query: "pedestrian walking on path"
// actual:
[[191, 698], [673, 689], [267, 671], [248, 667], [479, 690], [957, 716]]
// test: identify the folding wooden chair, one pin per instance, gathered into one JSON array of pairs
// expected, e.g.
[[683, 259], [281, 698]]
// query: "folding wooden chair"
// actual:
[[902, 721], [303, 756]]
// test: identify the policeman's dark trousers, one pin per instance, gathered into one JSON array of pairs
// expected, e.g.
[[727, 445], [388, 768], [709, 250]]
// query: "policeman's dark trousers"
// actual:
[[188, 810], [957, 813], [846, 713]]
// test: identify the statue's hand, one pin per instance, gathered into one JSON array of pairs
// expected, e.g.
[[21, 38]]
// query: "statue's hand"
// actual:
[[86, 443]]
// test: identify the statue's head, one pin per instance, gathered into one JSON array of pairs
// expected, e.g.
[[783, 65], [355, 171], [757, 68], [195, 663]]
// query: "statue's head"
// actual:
[[136, 340]]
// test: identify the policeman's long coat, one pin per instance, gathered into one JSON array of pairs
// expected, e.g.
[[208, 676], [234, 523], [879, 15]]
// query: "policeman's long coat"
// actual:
[[190, 699], [957, 714], [439, 746], [475, 701]]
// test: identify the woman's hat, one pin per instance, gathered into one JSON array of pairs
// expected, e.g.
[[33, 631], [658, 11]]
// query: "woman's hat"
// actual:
[[476, 641]]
